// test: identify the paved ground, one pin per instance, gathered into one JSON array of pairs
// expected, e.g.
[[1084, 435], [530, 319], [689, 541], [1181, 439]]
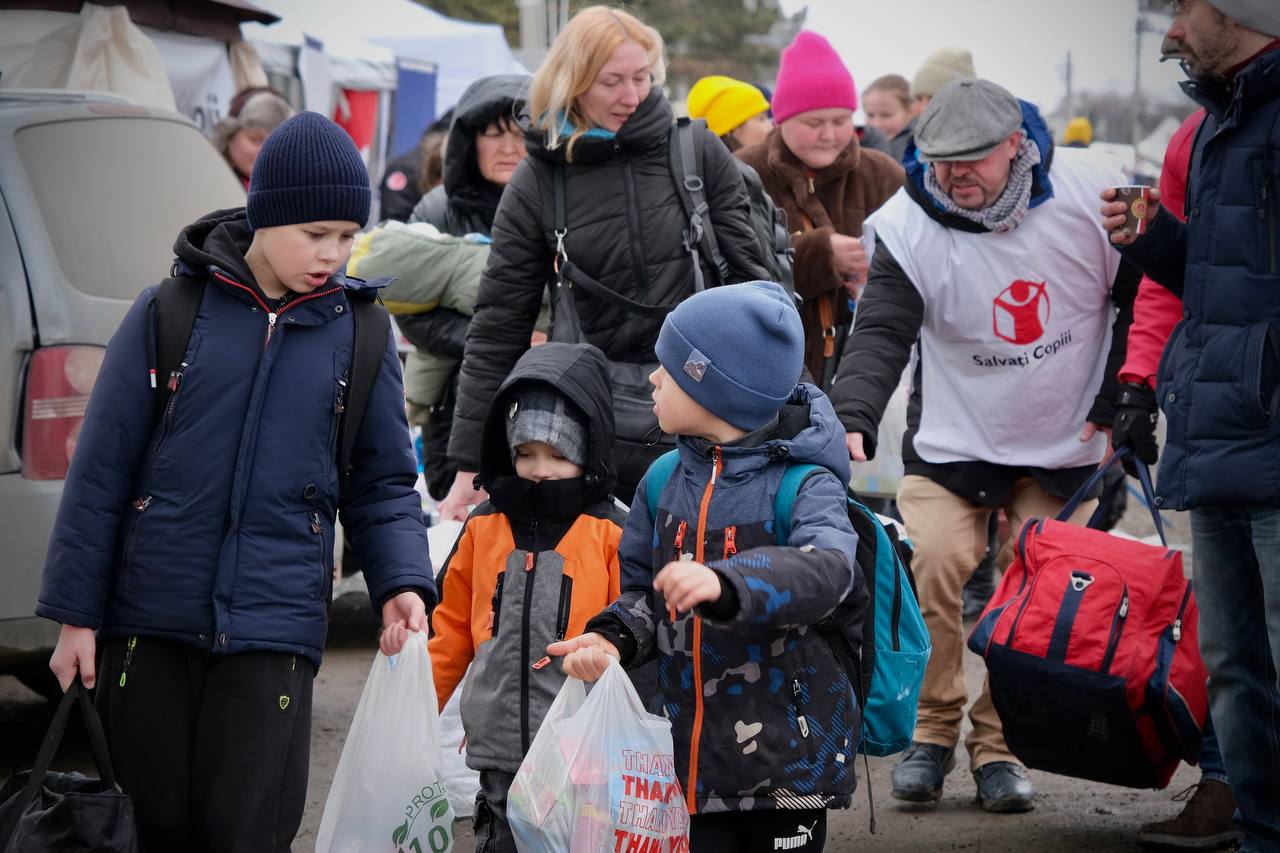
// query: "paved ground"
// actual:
[[1072, 815]]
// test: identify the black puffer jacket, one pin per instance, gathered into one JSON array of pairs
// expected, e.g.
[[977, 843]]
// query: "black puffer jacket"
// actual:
[[625, 223], [464, 204]]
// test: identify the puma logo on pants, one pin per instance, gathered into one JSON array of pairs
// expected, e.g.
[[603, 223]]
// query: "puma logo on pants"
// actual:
[[800, 839]]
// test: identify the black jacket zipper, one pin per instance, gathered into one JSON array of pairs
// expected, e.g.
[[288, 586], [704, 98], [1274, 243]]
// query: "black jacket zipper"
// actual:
[[140, 505], [633, 225], [495, 604], [166, 424], [318, 529], [566, 598], [797, 702], [530, 566]]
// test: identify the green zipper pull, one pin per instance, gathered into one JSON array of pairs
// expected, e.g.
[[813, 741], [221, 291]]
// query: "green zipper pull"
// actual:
[[128, 656]]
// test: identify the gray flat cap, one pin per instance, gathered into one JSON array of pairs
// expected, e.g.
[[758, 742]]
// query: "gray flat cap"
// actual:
[[966, 120]]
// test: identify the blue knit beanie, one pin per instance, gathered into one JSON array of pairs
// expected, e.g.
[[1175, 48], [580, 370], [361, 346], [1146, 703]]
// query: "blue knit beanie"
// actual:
[[736, 350], [308, 170]]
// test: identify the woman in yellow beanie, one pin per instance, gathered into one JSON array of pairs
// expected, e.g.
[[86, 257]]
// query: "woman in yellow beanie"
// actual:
[[736, 112], [1078, 134]]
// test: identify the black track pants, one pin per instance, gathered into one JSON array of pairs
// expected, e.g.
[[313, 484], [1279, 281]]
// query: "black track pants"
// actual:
[[213, 749], [758, 831]]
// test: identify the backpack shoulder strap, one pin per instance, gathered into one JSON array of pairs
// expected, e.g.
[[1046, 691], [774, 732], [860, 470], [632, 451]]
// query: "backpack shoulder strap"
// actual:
[[686, 146], [784, 500], [567, 271], [372, 325], [174, 308], [655, 479]]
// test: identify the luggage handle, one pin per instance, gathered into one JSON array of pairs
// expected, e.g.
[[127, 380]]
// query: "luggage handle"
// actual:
[[1144, 478]]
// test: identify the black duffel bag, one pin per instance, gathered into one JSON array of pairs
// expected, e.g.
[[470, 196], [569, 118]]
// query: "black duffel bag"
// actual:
[[42, 811]]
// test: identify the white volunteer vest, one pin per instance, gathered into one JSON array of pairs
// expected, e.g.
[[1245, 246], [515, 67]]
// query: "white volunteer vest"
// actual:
[[1016, 325]]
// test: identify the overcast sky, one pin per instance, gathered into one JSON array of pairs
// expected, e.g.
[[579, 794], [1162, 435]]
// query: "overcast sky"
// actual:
[[1021, 44]]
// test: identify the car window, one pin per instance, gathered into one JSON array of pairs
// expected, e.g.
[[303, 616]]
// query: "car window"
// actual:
[[115, 191]]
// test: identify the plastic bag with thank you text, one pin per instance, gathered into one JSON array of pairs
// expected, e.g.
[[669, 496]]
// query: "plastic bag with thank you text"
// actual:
[[599, 777]]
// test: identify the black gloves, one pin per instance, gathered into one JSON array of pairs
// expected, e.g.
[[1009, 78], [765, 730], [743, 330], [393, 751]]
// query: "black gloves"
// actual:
[[1135, 423]]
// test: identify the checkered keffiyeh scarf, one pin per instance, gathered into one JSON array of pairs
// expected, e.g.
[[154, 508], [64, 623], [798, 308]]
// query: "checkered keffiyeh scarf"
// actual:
[[1010, 208]]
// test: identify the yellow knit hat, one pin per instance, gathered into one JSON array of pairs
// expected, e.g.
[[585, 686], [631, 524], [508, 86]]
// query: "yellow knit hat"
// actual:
[[1079, 130], [725, 103]]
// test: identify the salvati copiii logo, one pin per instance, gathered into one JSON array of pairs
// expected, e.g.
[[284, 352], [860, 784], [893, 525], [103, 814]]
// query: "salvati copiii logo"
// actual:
[[1021, 312]]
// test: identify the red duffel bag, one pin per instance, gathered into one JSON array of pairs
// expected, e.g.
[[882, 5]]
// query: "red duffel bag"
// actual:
[[1091, 647]]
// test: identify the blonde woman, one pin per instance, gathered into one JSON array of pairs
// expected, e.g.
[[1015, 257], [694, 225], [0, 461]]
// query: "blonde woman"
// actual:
[[598, 116]]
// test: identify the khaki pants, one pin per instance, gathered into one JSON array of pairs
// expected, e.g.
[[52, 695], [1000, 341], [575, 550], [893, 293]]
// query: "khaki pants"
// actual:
[[949, 534]]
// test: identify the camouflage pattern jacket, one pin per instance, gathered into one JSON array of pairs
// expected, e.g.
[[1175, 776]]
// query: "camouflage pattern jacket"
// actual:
[[762, 714]]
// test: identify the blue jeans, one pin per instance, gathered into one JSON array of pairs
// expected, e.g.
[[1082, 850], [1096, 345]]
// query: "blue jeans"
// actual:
[[1211, 764], [1237, 575]]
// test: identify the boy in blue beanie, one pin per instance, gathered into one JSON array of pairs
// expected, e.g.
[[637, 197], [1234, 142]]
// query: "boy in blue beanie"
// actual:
[[762, 713], [197, 540]]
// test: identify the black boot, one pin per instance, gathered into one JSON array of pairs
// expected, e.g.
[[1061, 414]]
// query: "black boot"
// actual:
[[1004, 787], [918, 776]]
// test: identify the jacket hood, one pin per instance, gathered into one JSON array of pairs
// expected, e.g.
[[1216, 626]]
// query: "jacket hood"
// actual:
[[483, 100], [218, 241], [1041, 187], [580, 373], [645, 131], [807, 432]]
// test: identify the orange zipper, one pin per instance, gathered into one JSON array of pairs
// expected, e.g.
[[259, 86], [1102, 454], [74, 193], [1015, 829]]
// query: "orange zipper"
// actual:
[[691, 795]]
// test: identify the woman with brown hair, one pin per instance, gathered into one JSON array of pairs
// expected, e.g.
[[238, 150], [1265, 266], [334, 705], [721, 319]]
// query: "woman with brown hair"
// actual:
[[815, 169], [600, 125]]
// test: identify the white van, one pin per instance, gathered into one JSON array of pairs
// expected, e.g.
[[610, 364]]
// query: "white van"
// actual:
[[93, 192]]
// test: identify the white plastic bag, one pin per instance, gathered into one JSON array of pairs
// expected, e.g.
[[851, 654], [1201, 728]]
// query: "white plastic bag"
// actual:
[[388, 793], [599, 777], [463, 782]]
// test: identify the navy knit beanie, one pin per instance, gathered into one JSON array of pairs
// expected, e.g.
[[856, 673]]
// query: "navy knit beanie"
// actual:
[[736, 350], [308, 170]]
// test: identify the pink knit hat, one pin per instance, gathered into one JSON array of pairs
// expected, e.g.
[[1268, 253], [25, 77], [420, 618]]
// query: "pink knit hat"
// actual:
[[812, 77]]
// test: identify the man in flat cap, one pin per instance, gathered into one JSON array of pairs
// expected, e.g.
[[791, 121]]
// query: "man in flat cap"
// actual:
[[1219, 380], [991, 261]]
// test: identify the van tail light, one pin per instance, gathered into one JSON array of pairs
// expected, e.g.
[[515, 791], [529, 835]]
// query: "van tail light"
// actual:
[[59, 380]]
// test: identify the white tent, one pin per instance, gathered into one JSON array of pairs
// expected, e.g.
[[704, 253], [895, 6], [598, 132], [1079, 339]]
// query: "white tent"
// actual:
[[353, 62], [462, 51]]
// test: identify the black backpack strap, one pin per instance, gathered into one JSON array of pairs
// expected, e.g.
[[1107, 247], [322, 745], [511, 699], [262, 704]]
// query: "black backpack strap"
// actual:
[[372, 326], [686, 144], [174, 308], [568, 274]]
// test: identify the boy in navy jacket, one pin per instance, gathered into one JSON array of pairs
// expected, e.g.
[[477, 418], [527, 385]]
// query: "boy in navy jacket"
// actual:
[[198, 546], [763, 716]]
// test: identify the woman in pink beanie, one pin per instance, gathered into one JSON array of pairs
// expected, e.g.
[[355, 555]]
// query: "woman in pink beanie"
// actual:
[[815, 169]]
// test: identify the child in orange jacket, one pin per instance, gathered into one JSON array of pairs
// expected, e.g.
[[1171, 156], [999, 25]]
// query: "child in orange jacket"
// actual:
[[532, 565]]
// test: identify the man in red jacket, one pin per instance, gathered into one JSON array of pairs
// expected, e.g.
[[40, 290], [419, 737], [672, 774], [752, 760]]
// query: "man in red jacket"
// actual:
[[1205, 821]]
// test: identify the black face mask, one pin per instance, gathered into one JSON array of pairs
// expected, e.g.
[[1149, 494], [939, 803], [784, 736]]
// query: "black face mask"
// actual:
[[525, 500]]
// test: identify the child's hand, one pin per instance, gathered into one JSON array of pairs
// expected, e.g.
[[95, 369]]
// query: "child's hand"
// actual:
[[400, 615], [74, 656], [685, 584], [586, 656]]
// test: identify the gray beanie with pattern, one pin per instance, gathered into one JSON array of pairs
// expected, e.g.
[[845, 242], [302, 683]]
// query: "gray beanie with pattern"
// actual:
[[537, 412]]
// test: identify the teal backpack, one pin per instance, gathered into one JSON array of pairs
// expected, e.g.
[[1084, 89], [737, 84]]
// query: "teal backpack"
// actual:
[[886, 676]]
